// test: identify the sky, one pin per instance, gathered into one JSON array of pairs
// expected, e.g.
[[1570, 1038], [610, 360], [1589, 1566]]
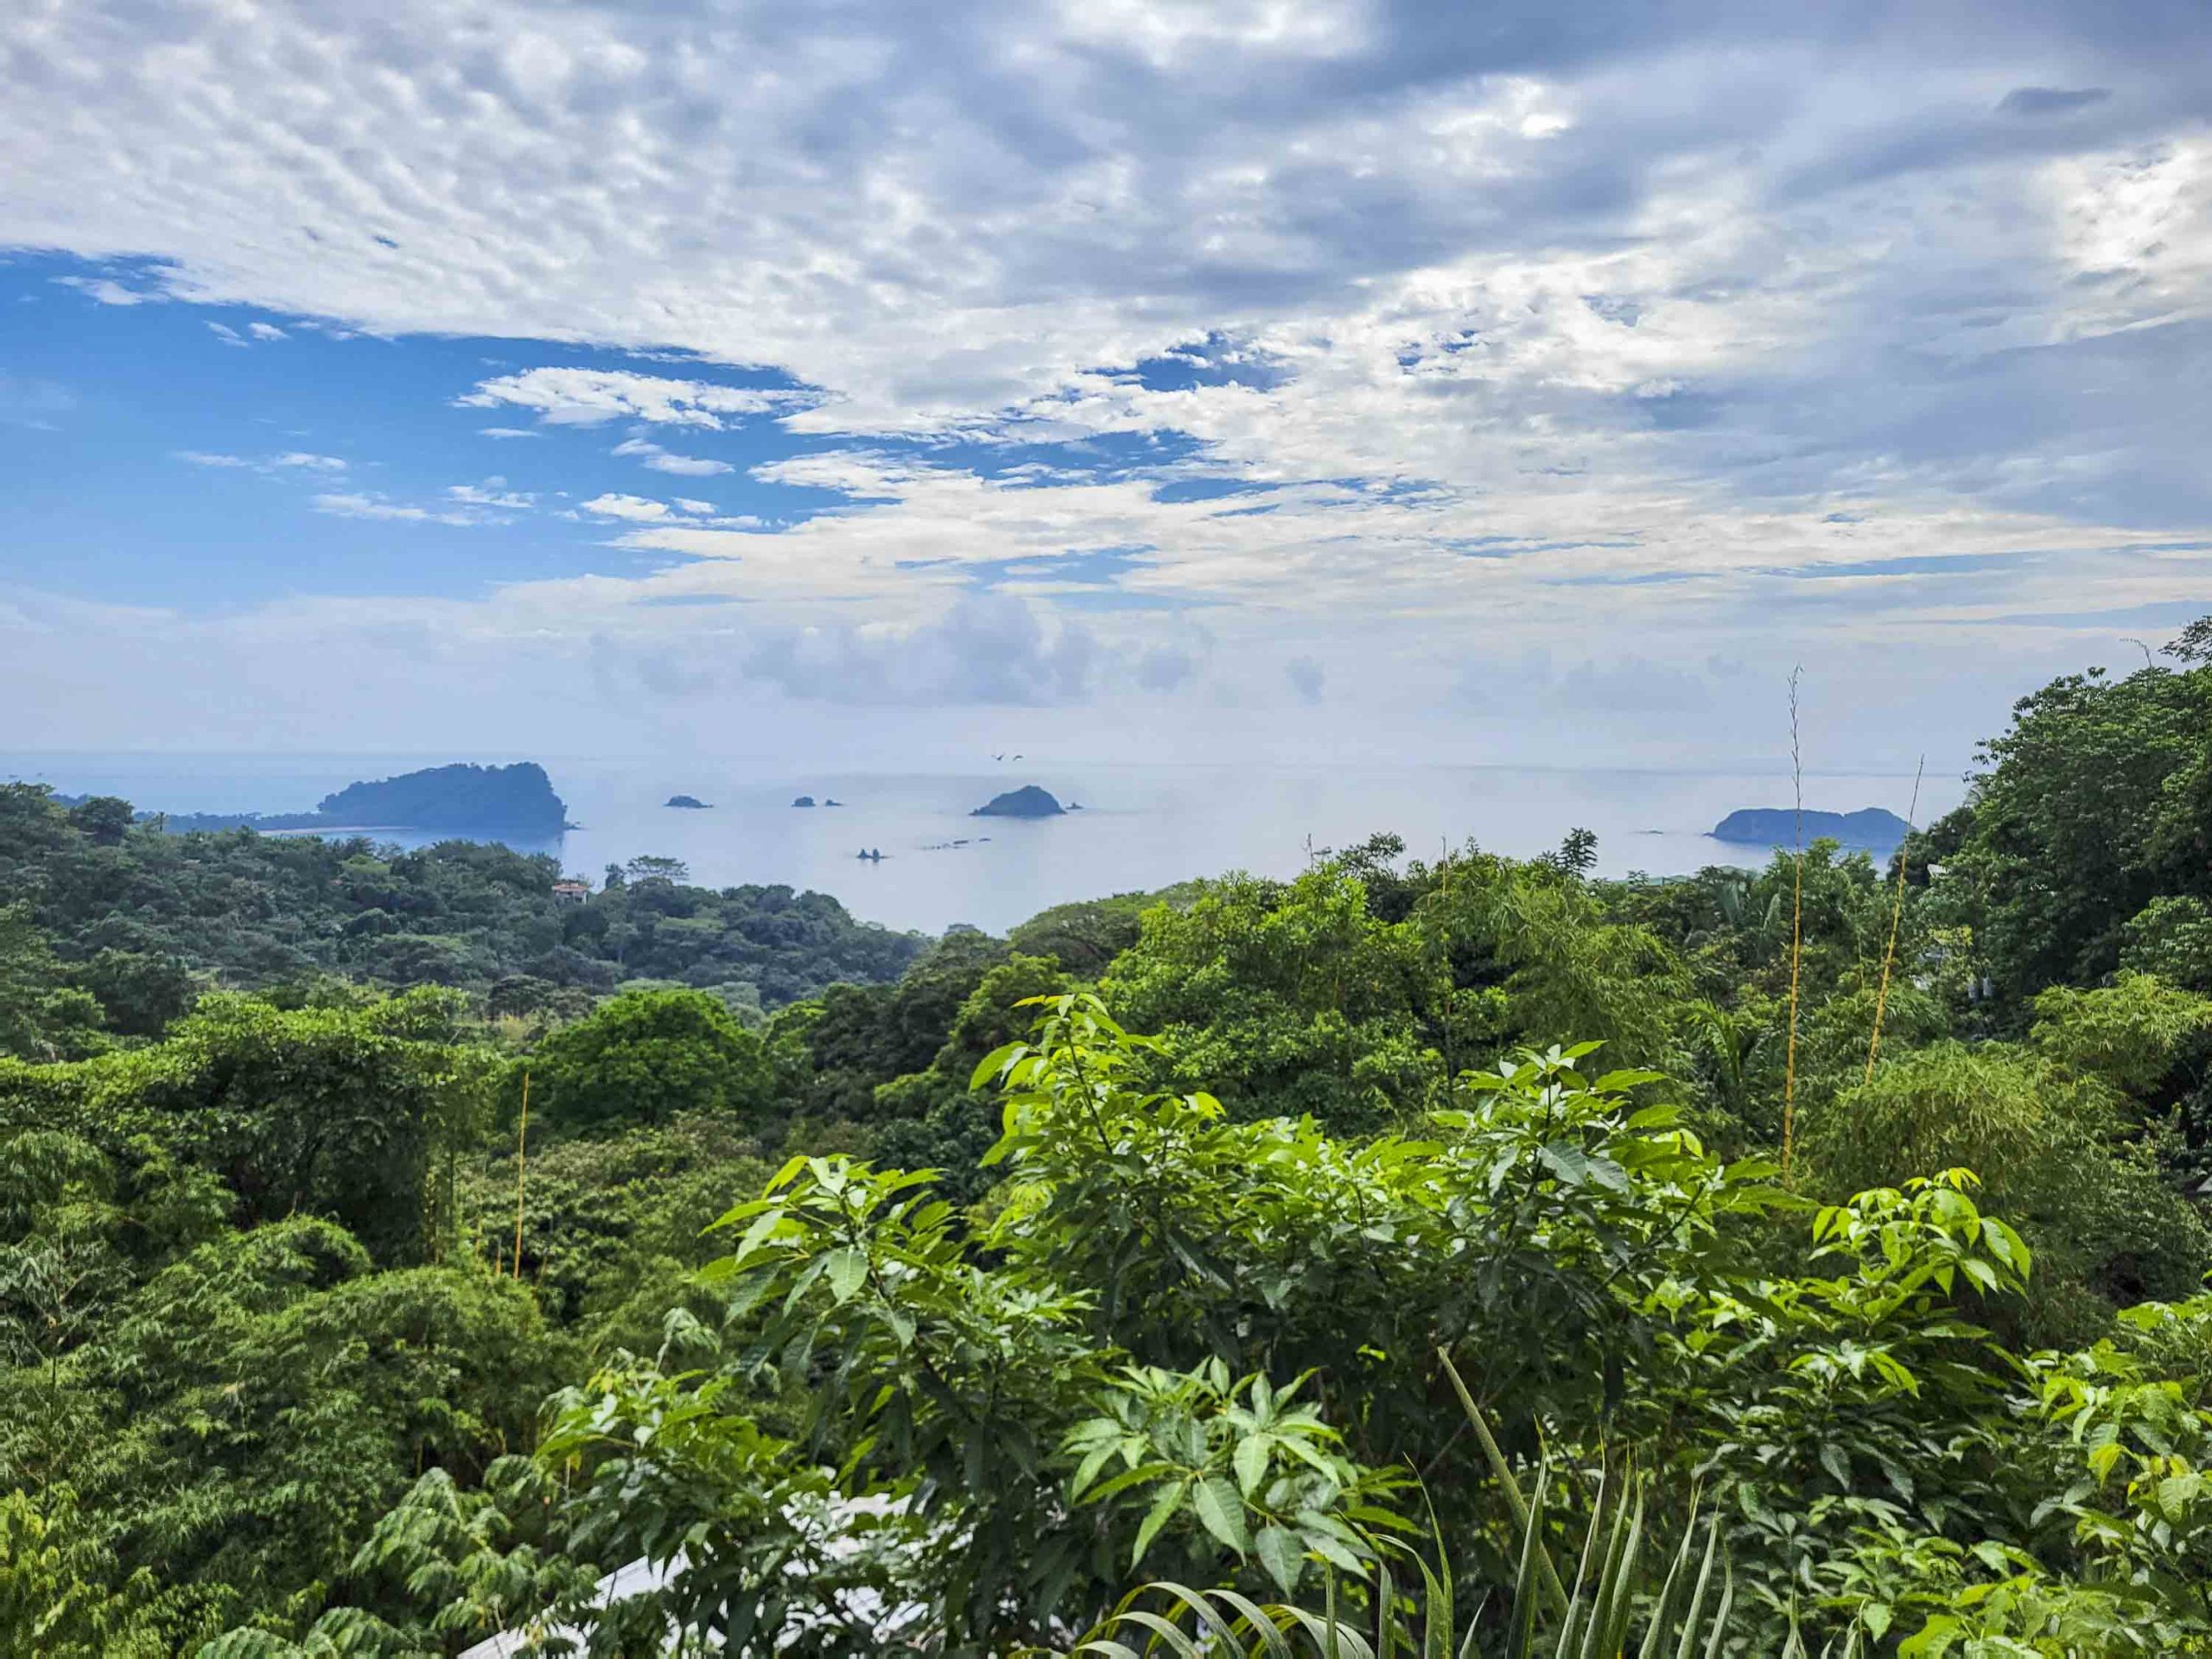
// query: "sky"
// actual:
[[875, 383]]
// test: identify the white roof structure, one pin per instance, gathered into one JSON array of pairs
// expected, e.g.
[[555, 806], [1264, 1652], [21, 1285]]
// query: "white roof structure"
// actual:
[[643, 1577], [635, 1579]]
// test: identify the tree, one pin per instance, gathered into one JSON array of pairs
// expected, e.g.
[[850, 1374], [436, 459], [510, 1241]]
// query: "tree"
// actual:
[[1286, 998], [2094, 805], [2172, 937], [2135, 1033], [342, 1111], [2047, 1141], [936, 1120], [140, 993], [1085, 936], [102, 819], [643, 1058], [245, 1415], [2194, 644], [1576, 854], [42, 1017]]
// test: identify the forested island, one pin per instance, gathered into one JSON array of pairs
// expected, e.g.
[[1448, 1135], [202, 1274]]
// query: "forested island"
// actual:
[[514, 803], [1815, 1252], [1028, 802], [1872, 828]]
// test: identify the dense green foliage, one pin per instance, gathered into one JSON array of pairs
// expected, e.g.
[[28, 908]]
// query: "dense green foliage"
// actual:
[[141, 922], [2090, 833], [1344, 1290], [337, 1111], [646, 1056]]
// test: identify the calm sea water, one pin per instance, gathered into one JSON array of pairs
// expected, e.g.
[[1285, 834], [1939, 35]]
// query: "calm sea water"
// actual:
[[1141, 827]]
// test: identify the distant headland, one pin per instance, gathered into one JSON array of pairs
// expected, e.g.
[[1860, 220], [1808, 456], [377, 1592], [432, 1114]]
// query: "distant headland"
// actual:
[[1028, 802], [465, 800], [1872, 829], [690, 803]]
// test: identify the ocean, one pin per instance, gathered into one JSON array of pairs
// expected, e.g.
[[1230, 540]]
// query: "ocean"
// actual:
[[1141, 827]]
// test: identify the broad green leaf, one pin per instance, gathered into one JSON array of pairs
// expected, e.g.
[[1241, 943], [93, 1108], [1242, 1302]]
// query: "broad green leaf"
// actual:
[[847, 1272], [1222, 1512], [1251, 1461], [1163, 1506], [1280, 1555]]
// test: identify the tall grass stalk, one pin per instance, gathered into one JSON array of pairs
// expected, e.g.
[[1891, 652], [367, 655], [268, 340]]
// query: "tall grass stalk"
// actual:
[[1796, 935], [1450, 997], [1897, 919], [521, 1167]]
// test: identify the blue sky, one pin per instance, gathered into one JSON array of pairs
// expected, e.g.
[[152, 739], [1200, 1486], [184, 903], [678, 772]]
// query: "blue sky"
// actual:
[[1298, 378]]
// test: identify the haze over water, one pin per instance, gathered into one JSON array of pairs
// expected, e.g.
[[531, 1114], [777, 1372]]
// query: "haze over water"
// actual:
[[1142, 826]]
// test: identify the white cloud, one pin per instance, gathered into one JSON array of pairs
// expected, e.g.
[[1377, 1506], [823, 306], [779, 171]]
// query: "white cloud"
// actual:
[[507, 432], [266, 331], [660, 461], [292, 460], [592, 396], [979, 650], [492, 492], [377, 507], [636, 508], [691, 506], [228, 335], [108, 291]]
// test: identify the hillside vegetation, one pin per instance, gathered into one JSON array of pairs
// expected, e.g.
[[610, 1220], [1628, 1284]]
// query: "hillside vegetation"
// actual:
[[1316, 1242], [139, 923]]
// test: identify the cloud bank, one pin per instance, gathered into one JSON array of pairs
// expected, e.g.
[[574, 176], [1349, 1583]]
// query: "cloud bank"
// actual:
[[1128, 351]]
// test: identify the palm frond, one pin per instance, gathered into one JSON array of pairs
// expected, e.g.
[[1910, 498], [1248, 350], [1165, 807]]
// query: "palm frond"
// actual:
[[1595, 1618]]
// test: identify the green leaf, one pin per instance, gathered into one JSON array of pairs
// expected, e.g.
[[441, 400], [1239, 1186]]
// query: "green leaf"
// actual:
[[1143, 1475], [1833, 1460], [1279, 1552], [1251, 1462], [992, 1063], [847, 1272], [1156, 1517], [1087, 1471], [1570, 1163], [1222, 1512], [1614, 1082]]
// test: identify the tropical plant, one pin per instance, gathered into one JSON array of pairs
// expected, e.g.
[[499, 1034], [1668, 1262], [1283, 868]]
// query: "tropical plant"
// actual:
[[1590, 1617]]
